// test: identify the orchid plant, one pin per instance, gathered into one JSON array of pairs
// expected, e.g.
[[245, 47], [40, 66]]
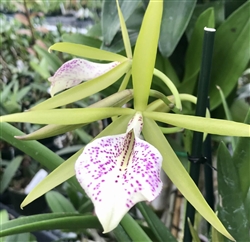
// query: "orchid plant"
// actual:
[[121, 166]]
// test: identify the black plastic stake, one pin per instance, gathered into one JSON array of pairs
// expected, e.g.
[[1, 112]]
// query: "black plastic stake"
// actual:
[[196, 156], [208, 171]]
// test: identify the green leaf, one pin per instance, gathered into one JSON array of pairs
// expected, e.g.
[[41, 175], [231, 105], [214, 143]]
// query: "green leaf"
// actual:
[[117, 45], [34, 149], [66, 170], [9, 172], [22, 93], [231, 201], [241, 160], [86, 207], [133, 229], [239, 109], [53, 61], [58, 203], [143, 65], [194, 233], [87, 52], [6, 92], [193, 55], [217, 236], [81, 39], [59, 175], [176, 15], [179, 176], [37, 67], [219, 15], [4, 216], [157, 226], [68, 116], [50, 221], [85, 89], [205, 125], [19, 237], [228, 114], [110, 19], [120, 234], [230, 55]]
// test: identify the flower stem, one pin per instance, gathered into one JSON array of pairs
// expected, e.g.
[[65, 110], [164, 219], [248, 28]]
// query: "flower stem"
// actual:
[[157, 94], [171, 86]]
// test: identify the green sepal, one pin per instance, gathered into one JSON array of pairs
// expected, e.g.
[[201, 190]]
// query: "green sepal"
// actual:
[[200, 124], [87, 52], [143, 62], [179, 176], [67, 116]]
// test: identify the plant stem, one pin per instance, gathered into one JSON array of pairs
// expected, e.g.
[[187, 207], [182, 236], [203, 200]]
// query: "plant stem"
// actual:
[[203, 87]]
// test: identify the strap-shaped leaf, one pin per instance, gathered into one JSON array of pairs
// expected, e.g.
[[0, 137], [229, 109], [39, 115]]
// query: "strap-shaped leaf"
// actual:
[[49, 221], [36, 150], [157, 226], [179, 176], [133, 229], [110, 19], [9, 172], [175, 18], [58, 203], [230, 53], [241, 159], [231, 200], [193, 55]]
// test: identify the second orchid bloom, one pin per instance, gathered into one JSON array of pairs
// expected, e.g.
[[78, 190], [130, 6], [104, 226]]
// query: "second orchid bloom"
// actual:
[[75, 71]]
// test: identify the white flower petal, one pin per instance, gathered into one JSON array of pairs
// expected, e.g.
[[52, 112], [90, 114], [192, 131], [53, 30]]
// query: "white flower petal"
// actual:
[[75, 71], [113, 187]]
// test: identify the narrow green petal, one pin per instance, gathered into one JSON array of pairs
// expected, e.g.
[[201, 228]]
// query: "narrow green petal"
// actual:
[[179, 176], [68, 116], [117, 99], [200, 124], [86, 52], [48, 131], [125, 36], [145, 53]]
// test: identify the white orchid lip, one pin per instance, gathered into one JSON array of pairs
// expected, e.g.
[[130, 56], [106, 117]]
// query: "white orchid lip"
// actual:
[[118, 171], [75, 71]]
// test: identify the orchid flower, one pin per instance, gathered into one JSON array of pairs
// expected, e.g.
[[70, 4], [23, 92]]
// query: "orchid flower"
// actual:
[[119, 171], [75, 71]]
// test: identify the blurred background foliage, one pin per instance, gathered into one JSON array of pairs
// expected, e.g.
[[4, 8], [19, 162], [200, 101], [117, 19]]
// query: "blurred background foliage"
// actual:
[[28, 28]]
